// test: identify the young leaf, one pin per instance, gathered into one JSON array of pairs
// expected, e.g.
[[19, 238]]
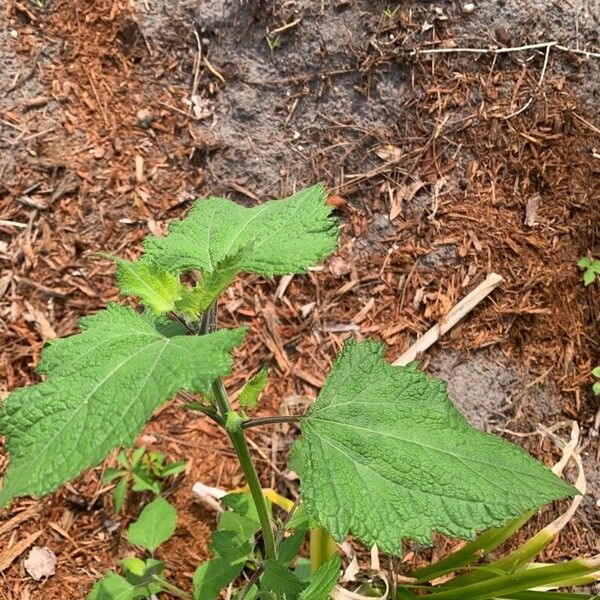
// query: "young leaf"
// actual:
[[155, 525], [112, 587], [242, 504], [102, 387], [321, 584], [386, 456], [591, 269], [137, 455], [282, 236], [212, 576], [143, 578], [243, 527], [209, 288], [157, 288], [290, 546], [136, 566], [120, 494], [279, 579], [110, 474], [143, 483], [172, 469], [250, 393]]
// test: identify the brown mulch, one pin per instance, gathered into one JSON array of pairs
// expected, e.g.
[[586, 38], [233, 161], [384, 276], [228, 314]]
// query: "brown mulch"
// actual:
[[466, 171]]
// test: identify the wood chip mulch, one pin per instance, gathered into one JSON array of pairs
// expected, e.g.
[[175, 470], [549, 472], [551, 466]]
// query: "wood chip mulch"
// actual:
[[470, 184]]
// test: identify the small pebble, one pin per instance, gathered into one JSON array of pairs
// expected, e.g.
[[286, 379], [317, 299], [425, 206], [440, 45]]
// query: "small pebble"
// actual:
[[145, 117], [468, 8]]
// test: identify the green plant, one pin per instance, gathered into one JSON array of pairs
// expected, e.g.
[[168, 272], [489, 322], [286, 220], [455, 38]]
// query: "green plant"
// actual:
[[273, 41], [591, 269], [384, 455], [390, 13], [144, 472]]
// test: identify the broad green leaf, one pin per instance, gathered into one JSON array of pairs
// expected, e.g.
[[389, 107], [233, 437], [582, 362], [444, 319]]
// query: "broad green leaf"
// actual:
[[112, 587], [279, 579], [156, 287], [155, 525], [230, 545], [251, 392], [386, 456], [281, 236], [321, 584], [102, 387], [209, 287], [212, 576]]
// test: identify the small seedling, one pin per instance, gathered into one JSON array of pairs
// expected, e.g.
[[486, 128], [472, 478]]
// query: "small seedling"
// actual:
[[144, 472], [596, 386], [273, 41], [591, 267], [390, 13], [383, 455]]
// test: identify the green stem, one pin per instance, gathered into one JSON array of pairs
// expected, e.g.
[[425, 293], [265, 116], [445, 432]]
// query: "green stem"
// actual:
[[240, 445], [250, 583], [558, 575], [173, 589], [322, 547], [259, 421]]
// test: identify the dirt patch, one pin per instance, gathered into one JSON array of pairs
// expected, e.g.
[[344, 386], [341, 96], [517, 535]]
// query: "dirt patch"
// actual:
[[444, 168]]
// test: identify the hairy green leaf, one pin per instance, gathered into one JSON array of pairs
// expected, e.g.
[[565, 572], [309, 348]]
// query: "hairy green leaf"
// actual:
[[212, 576], [290, 546], [279, 579], [321, 584], [230, 545], [157, 288], [210, 286], [155, 525], [102, 387], [281, 236], [242, 504], [251, 392], [386, 456], [243, 527]]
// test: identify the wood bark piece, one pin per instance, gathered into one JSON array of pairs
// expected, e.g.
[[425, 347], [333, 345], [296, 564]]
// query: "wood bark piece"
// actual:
[[458, 312]]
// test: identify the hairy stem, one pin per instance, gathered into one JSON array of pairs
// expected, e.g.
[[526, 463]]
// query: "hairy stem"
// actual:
[[240, 445], [259, 421], [250, 583]]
